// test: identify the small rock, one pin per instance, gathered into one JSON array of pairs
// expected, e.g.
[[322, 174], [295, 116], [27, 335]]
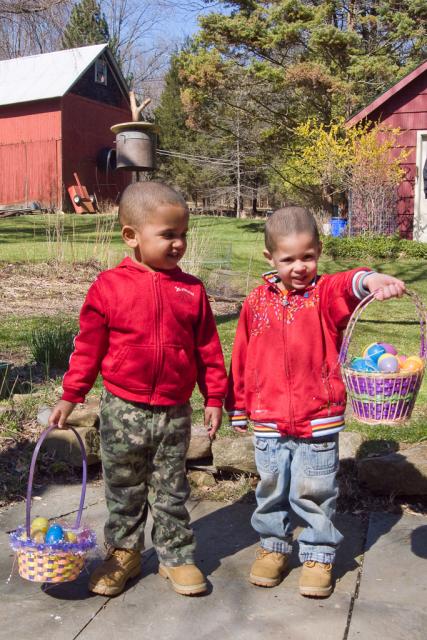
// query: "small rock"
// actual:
[[201, 479], [350, 442], [81, 417], [400, 473], [63, 443], [234, 454], [200, 444]]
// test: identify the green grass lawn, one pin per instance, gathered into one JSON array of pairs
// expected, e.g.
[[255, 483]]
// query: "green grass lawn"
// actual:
[[71, 237]]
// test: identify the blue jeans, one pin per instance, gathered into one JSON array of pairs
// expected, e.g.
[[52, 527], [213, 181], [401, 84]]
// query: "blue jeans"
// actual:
[[297, 475]]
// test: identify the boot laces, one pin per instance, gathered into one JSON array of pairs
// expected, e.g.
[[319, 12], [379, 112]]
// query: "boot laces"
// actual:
[[262, 553], [119, 554], [327, 566]]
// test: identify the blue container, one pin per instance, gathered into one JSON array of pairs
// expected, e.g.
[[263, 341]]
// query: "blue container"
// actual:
[[338, 227]]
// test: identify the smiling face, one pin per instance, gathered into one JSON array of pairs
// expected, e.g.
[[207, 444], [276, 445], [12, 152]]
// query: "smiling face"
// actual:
[[159, 242], [295, 258]]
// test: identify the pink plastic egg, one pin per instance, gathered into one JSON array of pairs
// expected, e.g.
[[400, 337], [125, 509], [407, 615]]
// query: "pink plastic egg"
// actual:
[[389, 348]]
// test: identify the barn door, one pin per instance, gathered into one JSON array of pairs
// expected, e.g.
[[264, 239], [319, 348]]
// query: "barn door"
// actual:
[[420, 199]]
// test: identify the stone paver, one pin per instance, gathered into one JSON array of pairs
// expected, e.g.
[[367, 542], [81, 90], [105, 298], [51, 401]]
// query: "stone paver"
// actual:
[[390, 602], [393, 592]]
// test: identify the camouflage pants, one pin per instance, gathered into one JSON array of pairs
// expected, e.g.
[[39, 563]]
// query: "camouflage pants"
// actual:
[[143, 451]]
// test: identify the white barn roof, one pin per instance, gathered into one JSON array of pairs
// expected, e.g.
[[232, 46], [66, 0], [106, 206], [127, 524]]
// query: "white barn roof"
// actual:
[[47, 75]]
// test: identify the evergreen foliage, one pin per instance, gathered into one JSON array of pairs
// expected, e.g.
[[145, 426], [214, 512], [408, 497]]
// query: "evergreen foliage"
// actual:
[[191, 177], [298, 61], [87, 25]]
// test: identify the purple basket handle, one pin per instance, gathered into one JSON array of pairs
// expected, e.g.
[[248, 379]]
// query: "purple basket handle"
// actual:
[[31, 477], [422, 314]]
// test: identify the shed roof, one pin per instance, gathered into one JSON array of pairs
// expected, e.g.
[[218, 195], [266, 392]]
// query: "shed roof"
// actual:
[[384, 97], [49, 75]]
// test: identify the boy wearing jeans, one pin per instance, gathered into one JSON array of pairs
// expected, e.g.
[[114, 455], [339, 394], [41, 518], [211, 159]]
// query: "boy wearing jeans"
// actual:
[[285, 377], [147, 327]]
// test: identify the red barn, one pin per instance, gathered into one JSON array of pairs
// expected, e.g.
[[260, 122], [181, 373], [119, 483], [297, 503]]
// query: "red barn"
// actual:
[[56, 110], [405, 106]]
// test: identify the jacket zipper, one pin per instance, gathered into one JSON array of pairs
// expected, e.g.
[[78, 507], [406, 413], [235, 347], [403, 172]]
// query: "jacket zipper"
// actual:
[[157, 313], [287, 368]]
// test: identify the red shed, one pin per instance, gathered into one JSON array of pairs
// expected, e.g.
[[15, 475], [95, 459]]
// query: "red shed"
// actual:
[[404, 105], [56, 110]]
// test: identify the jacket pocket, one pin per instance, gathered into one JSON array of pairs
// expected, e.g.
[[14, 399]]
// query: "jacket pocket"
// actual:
[[321, 458], [178, 369], [132, 368]]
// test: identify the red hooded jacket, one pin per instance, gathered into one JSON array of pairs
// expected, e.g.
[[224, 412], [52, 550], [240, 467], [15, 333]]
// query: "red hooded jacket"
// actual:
[[151, 335], [284, 372]]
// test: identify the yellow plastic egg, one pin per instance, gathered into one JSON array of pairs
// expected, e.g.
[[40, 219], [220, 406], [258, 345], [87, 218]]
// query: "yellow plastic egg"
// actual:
[[40, 524], [71, 536], [412, 363], [37, 536]]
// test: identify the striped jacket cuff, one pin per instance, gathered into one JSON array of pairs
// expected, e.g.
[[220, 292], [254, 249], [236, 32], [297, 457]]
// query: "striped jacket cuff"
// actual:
[[357, 284], [238, 419]]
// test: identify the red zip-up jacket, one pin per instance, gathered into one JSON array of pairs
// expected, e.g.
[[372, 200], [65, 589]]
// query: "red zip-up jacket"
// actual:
[[284, 372], [151, 335]]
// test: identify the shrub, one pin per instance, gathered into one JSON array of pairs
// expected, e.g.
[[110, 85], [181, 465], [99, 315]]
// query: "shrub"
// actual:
[[51, 346], [382, 247]]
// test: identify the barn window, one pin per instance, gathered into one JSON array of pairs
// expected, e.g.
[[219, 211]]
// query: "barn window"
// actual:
[[101, 72]]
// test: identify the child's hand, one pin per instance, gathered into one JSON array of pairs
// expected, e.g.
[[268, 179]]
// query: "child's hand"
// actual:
[[60, 413], [213, 419], [384, 286], [241, 429]]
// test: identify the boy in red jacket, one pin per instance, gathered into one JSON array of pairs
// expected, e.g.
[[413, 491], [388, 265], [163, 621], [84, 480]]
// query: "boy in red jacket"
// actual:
[[147, 327], [285, 377]]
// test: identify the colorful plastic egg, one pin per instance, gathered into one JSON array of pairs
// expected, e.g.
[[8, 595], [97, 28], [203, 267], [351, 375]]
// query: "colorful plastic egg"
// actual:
[[54, 534], [38, 536], [71, 536], [389, 348], [373, 352], [363, 364], [40, 524], [401, 359], [413, 363], [388, 363]]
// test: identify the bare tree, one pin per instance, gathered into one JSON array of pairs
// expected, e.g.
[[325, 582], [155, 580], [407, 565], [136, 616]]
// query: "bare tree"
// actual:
[[31, 26], [21, 7]]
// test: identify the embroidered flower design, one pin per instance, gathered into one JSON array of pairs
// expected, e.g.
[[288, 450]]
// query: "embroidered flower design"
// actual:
[[268, 304]]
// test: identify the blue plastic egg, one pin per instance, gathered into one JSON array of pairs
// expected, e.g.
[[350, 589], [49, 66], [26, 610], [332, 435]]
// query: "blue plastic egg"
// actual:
[[54, 534], [363, 364], [374, 351]]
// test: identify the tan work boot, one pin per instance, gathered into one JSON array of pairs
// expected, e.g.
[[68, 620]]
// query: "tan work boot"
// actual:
[[316, 579], [119, 566], [268, 568], [186, 579]]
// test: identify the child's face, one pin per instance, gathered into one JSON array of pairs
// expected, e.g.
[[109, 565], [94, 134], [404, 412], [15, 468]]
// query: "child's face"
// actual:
[[161, 241], [295, 257]]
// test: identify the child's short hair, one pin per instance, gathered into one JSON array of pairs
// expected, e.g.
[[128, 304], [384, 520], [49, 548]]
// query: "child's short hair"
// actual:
[[140, 199], [287, 221]]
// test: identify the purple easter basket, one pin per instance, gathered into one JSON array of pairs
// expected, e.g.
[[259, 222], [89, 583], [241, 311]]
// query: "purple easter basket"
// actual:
[[386, 398], [60, 561]]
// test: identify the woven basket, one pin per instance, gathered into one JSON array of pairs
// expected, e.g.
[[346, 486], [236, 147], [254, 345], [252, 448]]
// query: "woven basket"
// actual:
[[386, 398], [59, 562]]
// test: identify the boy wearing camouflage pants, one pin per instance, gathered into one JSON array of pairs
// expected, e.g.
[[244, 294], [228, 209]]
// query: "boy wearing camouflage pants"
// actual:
[[147, 327]]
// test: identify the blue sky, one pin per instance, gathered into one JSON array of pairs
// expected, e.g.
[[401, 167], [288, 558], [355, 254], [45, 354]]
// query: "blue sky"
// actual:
[[180, 20]]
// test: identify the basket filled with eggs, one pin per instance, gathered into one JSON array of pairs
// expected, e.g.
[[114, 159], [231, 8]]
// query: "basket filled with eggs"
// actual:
[[49, 550], [382, 384]]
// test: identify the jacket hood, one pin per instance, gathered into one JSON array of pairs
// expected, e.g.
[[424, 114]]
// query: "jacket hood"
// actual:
[[272, 278], [128, 263]]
